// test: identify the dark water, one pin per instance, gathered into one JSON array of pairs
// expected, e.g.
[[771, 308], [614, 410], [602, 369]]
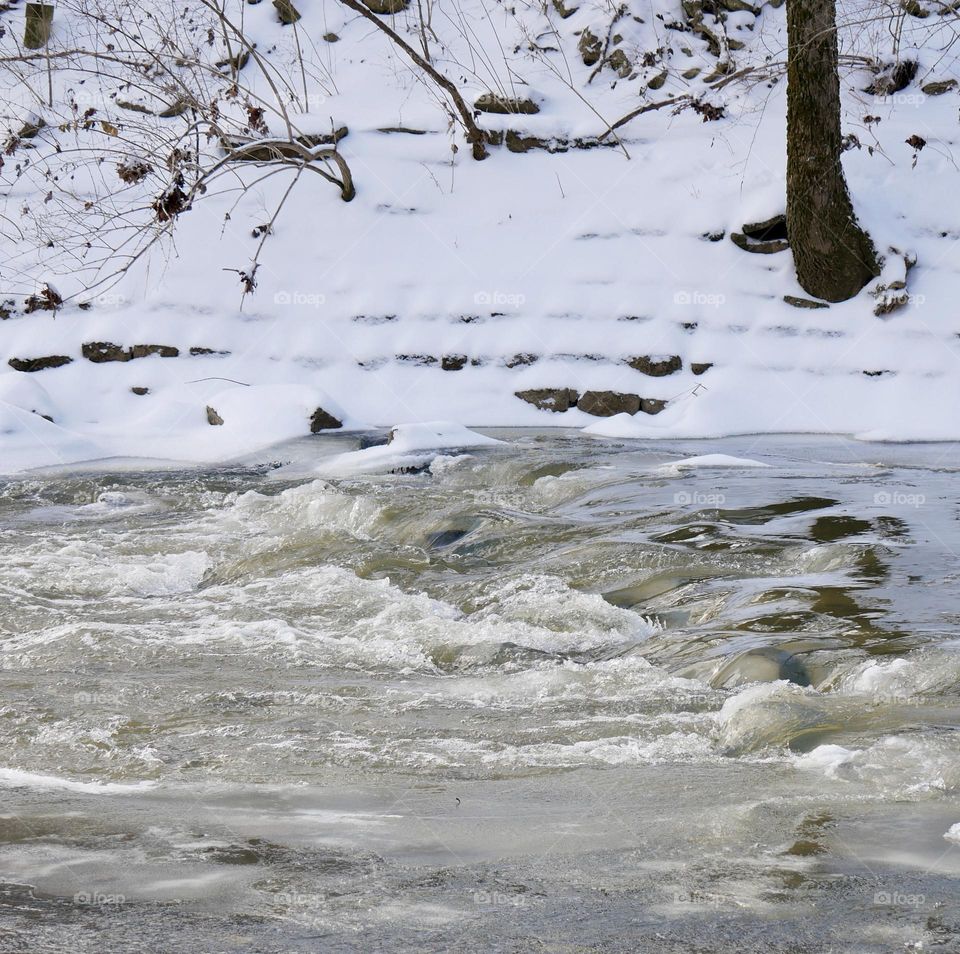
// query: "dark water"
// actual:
[[557, 695]]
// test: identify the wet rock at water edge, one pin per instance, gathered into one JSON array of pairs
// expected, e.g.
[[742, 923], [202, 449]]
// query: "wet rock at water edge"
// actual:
[[550, 399], [656, 367], [213, 417], [608, 403], [322, 420], [39, 364]]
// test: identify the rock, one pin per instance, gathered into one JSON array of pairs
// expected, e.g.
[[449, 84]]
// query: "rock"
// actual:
[[422, 360], [140, 391], [524, 358], [658, 81], [100, 351], [762, 248], [322, 420], [887, 303], [590, 47], [504, 105], [144, 351], [387, 6], [197, 351], [620, 62], [656, 368], [213, 418], [373, 440], [804, 302], [767, 230], [550, 399], [289, 14], [39, 23], [701, 367], [563, 9], [331, 38], [691, 73], [938, 89], [652, 405], [39, 364], [608, 403], [453, 362]]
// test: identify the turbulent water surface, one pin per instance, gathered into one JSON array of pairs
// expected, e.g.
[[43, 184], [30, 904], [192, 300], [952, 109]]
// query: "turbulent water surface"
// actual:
[[557, 694]]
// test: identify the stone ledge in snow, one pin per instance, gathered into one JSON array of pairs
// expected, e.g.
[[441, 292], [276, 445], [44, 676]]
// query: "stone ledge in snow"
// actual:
[[410, 445]]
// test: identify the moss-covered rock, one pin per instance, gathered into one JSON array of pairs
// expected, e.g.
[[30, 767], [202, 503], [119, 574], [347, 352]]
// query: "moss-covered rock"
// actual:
[[505, 105]]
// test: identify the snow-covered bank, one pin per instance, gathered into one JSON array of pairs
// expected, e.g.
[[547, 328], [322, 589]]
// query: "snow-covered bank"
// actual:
[[448, 285]]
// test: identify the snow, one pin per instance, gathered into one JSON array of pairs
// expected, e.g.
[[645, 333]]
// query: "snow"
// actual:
[[583, 259], [409, 446]]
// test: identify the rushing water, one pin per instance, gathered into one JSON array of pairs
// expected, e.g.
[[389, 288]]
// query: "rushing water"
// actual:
[[555, 695]]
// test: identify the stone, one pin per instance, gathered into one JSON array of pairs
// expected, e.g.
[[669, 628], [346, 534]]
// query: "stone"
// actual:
[[701, 367], [563, 9], [590, 47], [550, 399], [198, 351], [658, 81], [213, 418], [608, 403], [39, 24], [289, 14], [322, 420], [140, 391], [453, 362], [100, 351], [652, 405], [505, 105], [144, 351], [387, 6], [804, 302], [939, 88], [39, 364], [656, 368], [521, 359], [761, 248]]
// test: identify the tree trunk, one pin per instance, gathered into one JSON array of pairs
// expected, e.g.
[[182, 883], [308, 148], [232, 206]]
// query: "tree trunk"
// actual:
[[834, 257]]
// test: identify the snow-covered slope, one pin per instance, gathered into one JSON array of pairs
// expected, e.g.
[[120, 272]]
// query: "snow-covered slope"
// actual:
[[447, 285]]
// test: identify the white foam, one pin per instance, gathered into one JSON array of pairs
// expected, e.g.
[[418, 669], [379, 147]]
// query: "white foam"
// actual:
[[16, 778]]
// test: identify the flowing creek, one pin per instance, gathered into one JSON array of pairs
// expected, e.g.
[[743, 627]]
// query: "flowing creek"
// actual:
[[559, 694]]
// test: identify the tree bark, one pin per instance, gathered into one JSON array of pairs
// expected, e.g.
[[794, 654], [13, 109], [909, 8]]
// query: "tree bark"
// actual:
[[833, 256]]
